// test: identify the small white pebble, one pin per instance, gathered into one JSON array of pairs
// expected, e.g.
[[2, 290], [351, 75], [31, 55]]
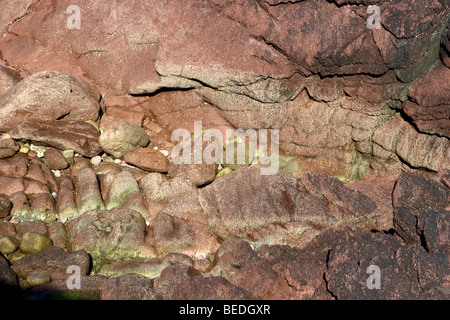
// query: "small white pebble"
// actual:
[[165, 152], [155, 148], [40, 154], [54, 195], [96, 160], [117, 161], [33, 148], [57, 173], [147, 223]]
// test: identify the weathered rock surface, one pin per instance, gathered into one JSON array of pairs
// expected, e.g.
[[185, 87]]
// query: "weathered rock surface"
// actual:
[[8, 148], [109, 235], [158, 191], [54, 262], [405, 273], [367, 106], [128, 137], [5, 206], [61, 134], [282, 209], [430, 102], [98, 287], [8, 78], [182, 282], [33, 242], [47, 96], [148, 159], [247, 65]]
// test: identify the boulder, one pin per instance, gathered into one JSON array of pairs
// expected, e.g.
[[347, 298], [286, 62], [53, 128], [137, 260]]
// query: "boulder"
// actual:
[[15, 166], [8, 245], [118, 141], [108, 236], [32, 242], [10, 186], [54, 262], [148, 159], [55, 160], [48, 96], [61, 134]]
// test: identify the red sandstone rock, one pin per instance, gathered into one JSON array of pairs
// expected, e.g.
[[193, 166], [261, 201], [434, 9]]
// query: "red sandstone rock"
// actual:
[[430, 102], [48, 96], [148, 159], [62, 135]]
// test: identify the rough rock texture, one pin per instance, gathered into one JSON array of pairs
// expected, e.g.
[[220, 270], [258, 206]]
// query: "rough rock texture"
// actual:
[[406, 273], [8, 148], [48, 96], [128, 137], [360, 117], [182, 282], [109, 235], [98, 287], [61, 134], [54, 262], [422, 220], [430, 102], [148, 159], [282, 209], [329, 87], [5, 206], [158, 190], [8, 78]]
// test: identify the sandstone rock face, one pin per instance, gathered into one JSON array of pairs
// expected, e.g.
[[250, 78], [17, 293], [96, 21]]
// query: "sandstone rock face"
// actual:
[[430, 106], [354, 260], [8, 78], [48, 96], [281, 208], [359, 115], [328, 87]]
